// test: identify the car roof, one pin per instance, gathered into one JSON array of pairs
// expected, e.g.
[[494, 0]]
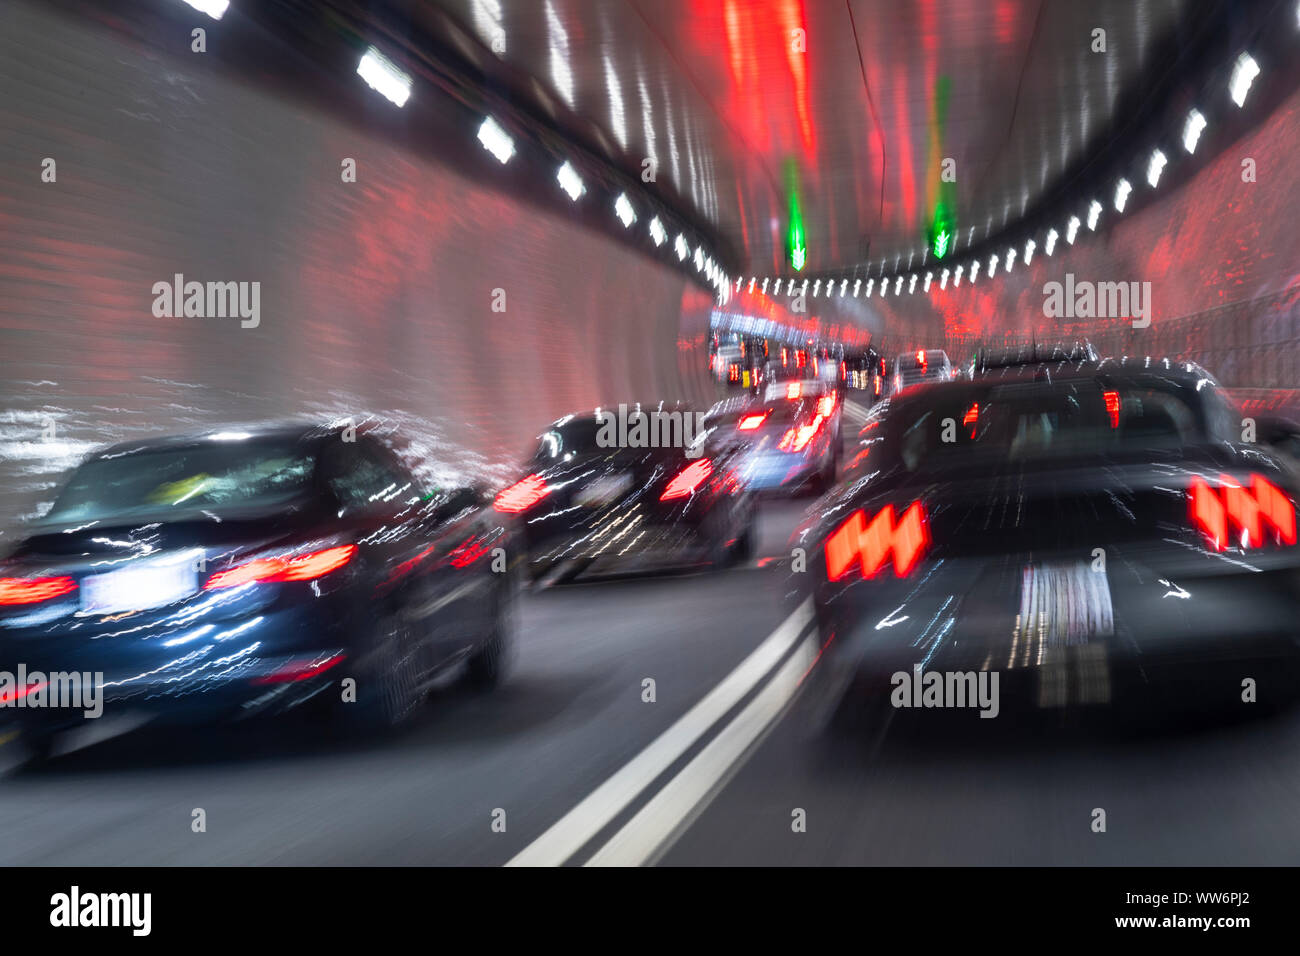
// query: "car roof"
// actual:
[[286, 432], [1126, 369]]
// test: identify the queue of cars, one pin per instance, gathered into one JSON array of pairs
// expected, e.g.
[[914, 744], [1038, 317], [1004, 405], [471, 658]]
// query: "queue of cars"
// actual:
[[1037, 509]]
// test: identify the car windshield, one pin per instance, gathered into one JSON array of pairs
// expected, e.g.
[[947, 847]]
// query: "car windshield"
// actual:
[[961, 428], [165, 482]]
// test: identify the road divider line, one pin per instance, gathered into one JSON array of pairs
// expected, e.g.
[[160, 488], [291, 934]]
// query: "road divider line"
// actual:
[[671, 811], [577, 827]]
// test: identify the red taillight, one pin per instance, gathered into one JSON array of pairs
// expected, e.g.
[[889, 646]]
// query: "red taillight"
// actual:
[[793, 390], [826, 405], [1112, 407], [34, 590], [972, 418], [869, 545], [522, 495], [797, 438], [298, 670], [1215, 510], [687, 480], [920, 357], [750, 422], [288, 567]]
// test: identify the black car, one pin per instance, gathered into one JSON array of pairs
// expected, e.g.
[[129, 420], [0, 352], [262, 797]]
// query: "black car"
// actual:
[[249, 572], [1092, 533], [598, 497]]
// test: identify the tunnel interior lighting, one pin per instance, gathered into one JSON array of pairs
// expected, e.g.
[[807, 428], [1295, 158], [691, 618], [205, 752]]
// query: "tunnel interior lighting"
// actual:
[[956, 277], [1050, 245], [1072, 229], [1192, 130], [680, 246], [657, 232], [1030, 246], [943, 279], [844, 287], [1011, 258], [898, 286], [623, 209], [1122, 189], [496, 140], [383, 76], [911, 284], [870, 284], [1244, 72], [570, 181], [857, 287], [1155, 167], [216, 9], [1094, 213], [699, 258], [764, 290], [928, 277], [993, 265], [975, 268]]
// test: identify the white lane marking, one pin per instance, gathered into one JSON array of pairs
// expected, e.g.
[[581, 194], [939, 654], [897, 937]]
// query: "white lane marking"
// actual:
[[568, 834], [856, 412], [668, 814]]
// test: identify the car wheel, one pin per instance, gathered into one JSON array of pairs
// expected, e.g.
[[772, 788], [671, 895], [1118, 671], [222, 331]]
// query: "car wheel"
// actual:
[[488, 665], [388, 687]]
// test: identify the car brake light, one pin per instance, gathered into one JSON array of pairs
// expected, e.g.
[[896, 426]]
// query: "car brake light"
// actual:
[[522, 495], [750, 422], [793, 390], [869, 545], [826, 405], [972, 418], [1112, 407], [797, 438], [288, 567], [1214, 511], [34, 590], [687, 480]]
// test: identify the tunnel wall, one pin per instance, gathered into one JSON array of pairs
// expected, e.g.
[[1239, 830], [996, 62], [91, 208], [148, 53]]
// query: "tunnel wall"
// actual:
[[1220, 254], [376, 297]]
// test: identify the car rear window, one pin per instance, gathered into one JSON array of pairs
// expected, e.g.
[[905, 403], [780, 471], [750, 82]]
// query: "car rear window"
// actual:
[[217, 476], [1033, 421]]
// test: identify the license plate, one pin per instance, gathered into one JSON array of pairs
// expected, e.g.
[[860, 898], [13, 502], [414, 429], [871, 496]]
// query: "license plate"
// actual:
[[1064, 604], [603, 490], [137, 589]]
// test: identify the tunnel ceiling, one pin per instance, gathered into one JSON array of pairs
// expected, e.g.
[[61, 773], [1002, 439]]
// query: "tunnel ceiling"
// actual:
[[855, 127]]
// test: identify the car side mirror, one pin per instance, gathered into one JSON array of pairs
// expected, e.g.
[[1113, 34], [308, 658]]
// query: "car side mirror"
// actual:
[[458, 500]]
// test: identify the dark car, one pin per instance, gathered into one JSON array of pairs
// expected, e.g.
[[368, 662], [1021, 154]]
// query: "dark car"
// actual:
[[920, 367], [791, 440], [1088, 533], [596, 501], [249, 572]]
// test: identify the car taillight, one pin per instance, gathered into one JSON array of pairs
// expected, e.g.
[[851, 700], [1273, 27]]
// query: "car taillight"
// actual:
[[522, 495], [750, 422], [797, 438], [285, 567], [826, 405], [34, 590], [869, 545], [972, 418], [793, 390], [687, 480], [1112, 407], [1215, 511]]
